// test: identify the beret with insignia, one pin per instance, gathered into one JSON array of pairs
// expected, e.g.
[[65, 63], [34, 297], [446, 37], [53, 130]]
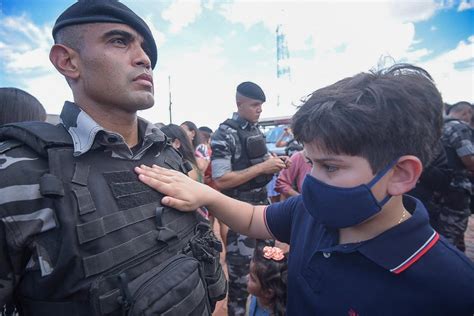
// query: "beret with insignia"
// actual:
[[107, 11]]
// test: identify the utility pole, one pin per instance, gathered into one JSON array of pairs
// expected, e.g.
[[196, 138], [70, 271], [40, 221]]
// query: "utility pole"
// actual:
[[283, 58], [169, 93]]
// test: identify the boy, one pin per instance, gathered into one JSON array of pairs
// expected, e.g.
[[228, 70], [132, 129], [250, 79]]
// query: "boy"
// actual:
[[358, 246]]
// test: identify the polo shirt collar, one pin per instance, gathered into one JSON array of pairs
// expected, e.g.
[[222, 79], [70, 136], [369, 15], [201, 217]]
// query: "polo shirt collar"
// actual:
[[401, 246], [85, 132], [397, 248]]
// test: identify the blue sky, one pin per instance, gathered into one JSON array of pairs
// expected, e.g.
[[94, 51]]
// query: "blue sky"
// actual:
[[208, 47]]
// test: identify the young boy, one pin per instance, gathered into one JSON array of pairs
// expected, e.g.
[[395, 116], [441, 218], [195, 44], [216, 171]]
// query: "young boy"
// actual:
[[358, 246]]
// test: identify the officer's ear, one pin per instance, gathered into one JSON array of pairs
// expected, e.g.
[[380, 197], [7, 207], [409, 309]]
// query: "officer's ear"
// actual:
[[405, 175], [66, 61]]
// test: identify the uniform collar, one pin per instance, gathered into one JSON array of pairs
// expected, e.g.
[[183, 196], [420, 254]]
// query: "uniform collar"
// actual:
[[85, 133], [243, 123], [399, 247]]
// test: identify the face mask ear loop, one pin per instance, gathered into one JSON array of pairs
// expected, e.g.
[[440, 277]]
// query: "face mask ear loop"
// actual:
[[379, 176]]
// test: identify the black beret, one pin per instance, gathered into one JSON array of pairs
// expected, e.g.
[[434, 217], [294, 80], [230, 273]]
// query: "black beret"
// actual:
[[251, 90], [107, 11]]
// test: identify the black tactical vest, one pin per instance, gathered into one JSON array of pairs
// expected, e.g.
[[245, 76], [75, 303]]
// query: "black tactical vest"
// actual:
[[117, 250], [254, 150]]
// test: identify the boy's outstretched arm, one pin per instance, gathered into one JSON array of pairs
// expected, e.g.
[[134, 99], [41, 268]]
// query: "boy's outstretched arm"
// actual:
[[185, 194]]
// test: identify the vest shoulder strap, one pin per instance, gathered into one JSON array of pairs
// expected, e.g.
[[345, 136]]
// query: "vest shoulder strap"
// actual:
[[39, 136], [232, 123]]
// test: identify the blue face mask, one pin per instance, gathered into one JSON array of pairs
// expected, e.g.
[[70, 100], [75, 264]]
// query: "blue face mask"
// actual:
[[337, 207]]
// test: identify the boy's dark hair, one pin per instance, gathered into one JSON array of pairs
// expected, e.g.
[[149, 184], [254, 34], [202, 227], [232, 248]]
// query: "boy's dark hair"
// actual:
[[379, 115], [273, 275], [173, 132], [17, 105]]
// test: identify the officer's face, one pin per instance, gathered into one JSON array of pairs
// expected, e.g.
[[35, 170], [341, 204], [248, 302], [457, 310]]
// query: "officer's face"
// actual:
[[115, 71], [249, 109]]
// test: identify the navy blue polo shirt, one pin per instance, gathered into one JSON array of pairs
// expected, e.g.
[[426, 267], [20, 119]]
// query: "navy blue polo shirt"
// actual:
[[407, 270]]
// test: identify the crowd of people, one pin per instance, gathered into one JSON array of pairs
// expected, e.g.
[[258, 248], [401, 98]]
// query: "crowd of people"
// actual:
[[107, 213]]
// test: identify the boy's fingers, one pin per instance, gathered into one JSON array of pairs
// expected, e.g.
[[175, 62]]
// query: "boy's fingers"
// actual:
[[175, 203]]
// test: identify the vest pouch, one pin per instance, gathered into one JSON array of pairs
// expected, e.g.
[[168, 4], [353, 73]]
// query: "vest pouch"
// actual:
[[256, 146], [174, 288], [206, 248]]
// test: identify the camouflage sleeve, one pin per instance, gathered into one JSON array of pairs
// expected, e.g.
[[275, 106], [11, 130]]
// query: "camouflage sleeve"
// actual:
[[223, 145], [460, 139], [23, 214]]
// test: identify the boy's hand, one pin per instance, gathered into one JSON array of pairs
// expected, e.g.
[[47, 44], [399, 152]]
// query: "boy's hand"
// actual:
[[181, 192]]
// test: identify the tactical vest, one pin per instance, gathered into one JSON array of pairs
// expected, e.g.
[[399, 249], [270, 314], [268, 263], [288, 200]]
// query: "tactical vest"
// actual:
[[254, 150], [117, 250]]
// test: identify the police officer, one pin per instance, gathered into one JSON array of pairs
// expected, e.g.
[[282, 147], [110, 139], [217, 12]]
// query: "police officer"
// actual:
[[79, 234], [241, 167], [454, 203]]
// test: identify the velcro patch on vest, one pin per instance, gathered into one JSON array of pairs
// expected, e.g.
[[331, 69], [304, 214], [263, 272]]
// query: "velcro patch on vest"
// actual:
[[128, 191]]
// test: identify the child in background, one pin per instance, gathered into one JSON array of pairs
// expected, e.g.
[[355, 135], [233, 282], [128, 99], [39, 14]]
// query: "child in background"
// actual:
[[267, 282]]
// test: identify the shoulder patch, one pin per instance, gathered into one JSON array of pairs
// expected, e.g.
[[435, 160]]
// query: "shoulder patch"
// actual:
[[9, 144]]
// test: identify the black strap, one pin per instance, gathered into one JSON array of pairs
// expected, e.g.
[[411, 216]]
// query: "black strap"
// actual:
[[189, 303], [81, 174], [103, 261], [39, 136], [40, 308], [9, 144], [51, 186], [84, 200], [104, 225]]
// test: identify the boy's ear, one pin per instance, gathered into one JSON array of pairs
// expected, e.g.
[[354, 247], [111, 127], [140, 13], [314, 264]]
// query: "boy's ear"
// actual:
[[405, 175], [65, 60]]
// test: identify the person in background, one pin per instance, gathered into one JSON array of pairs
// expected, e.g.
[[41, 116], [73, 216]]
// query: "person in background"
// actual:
[[290, 180], [359, 245], [181, 142], [241, 168], [455, 201], [285, 138], [203, 157], [17, 105], [267, 282], [205, 134]]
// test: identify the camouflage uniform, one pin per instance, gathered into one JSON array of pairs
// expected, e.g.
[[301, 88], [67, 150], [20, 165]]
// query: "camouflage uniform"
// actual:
[[39, 250], [226, 148], [452, 206]]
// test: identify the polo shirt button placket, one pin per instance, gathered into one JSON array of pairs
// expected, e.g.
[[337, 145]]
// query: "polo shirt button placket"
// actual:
[[326, 255]]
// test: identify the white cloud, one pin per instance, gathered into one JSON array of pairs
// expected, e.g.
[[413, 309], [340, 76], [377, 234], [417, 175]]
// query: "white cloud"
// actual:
[[201, 88], [25, 45], [256, 48], [157, 35], [433, 28], [415, 11], [50, 89], [454, 84], [181, 13], [466, 5]]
